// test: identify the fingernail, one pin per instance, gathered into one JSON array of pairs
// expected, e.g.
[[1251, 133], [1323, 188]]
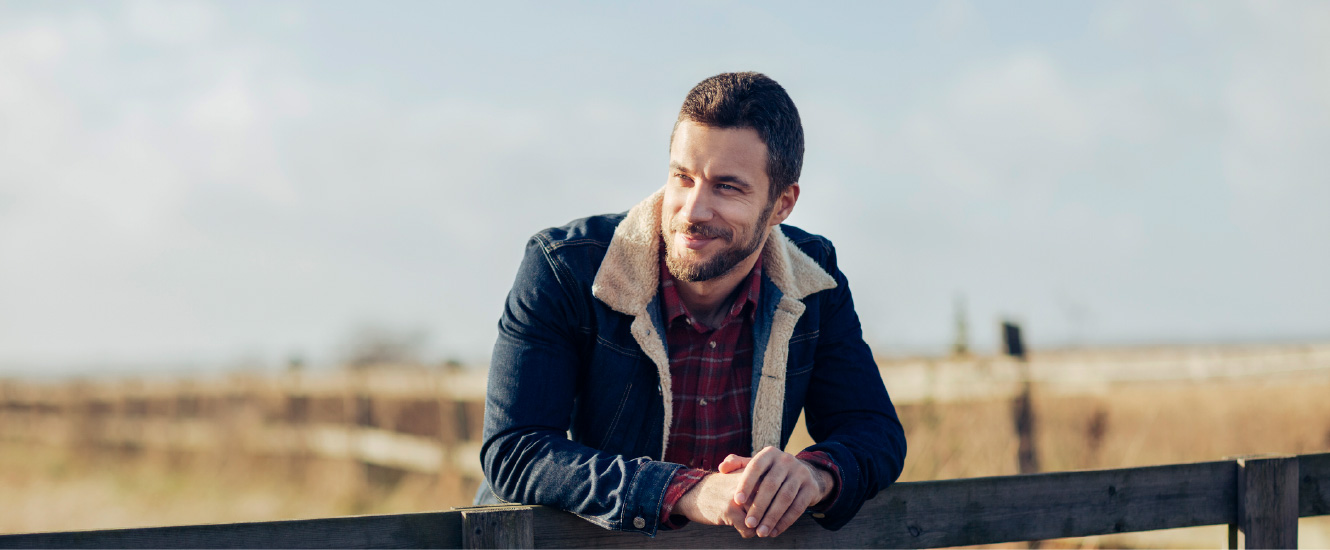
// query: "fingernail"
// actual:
[[751, 522], [763, 530], [739, 497]]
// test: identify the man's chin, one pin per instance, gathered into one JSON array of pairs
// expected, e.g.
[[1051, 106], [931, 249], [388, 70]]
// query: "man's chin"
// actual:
[[695, 271]]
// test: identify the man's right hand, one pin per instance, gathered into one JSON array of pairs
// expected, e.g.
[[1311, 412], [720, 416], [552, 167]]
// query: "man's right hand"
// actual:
[[711, 501]]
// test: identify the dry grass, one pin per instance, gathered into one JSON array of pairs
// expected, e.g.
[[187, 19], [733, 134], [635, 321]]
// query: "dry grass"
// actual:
[[1131, 425], [59, 489], [53, 488]]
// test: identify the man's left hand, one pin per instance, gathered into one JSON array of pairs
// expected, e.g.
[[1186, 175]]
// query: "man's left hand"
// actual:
[[776, 488]]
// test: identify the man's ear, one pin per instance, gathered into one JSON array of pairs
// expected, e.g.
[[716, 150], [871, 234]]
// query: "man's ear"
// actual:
[[784, 205]]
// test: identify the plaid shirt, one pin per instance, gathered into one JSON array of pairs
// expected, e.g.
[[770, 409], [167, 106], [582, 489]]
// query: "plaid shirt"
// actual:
[[711, 375]]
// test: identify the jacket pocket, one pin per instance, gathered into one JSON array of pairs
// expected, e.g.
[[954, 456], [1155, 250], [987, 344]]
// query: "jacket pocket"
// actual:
[[618, 415]]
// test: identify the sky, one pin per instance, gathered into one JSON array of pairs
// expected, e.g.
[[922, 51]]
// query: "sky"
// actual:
[[193, 184]]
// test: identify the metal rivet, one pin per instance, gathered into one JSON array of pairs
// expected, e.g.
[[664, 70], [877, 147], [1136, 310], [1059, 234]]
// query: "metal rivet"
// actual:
[[639, 523]]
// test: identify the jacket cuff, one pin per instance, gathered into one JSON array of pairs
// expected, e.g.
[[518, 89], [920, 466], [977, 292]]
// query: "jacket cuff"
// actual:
[[823, 461], [848, 497], [646, 493]]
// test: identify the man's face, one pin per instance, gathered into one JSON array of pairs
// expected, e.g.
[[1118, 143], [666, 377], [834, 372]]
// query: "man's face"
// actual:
[[715, 212]]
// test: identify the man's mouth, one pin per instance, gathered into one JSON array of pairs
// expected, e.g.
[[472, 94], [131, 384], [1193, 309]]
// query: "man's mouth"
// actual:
[[695, 241]]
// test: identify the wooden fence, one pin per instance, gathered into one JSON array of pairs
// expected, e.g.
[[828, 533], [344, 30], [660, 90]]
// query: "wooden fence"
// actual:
[[1260, 498], [411, 420]]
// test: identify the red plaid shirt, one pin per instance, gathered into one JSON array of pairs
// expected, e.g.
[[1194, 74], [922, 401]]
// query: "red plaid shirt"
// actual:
[[711, 375]]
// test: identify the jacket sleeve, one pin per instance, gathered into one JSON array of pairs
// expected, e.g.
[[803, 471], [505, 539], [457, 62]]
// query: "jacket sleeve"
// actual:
[[533, 380], [847, 409]]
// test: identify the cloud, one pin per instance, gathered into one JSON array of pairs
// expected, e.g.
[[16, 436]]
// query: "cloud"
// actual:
[[175, 23], [951, 20], [177, 181]]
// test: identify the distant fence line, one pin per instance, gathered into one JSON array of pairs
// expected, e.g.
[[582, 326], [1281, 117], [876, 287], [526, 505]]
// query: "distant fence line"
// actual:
[[428, 420], [1260, 498], [422, 421]]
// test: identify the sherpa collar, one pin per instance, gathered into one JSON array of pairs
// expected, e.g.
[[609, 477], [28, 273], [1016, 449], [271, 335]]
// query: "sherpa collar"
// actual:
[[629, 277]]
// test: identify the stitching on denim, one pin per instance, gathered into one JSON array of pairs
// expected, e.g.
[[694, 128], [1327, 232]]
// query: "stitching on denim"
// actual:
[[629, 352], [572, 242], [617, 414], [802, 369], [562, 275], [660, 500], [805, 336]]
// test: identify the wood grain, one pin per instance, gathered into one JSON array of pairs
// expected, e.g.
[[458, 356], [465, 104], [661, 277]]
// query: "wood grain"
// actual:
[[1267, 503], [1314, 485], [421, 530], [498, 527], [914, 515], [971, 511]]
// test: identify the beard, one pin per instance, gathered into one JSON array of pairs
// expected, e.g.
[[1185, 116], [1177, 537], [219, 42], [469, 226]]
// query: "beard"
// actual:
[[696, 271]]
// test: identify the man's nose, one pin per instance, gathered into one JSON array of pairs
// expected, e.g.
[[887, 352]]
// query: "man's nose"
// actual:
[[696, 207]]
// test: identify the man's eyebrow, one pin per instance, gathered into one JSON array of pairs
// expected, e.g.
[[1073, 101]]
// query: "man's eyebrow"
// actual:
[[726, 179], [735, 181]]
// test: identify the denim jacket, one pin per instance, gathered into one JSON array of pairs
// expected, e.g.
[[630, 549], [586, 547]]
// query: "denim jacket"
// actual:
[[578, 410]]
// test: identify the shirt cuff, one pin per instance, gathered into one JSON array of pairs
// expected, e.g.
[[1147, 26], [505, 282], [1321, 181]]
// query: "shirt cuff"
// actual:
[[684, 479], [823, 460]]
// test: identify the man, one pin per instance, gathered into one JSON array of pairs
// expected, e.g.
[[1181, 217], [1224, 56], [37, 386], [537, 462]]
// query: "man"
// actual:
[[650, 366]]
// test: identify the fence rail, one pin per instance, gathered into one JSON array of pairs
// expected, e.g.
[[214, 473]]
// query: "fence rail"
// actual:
[[419, 421], [1260, 498]]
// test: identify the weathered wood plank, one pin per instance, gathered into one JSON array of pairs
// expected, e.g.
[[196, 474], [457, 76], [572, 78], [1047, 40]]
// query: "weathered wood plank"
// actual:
[[421, 530], [972, 511], [920, 515], [1314, 485], [1267, 502], [498, 527]]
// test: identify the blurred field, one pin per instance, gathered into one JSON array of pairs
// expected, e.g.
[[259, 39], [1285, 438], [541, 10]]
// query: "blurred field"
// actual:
[[1129, 408]]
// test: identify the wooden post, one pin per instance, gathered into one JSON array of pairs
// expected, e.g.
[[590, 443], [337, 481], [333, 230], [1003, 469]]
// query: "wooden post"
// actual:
[[498, 527], [1022, 409], [1267, 511]]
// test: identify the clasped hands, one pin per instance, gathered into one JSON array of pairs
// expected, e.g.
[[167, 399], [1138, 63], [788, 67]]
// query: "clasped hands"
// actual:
[[759, 496]]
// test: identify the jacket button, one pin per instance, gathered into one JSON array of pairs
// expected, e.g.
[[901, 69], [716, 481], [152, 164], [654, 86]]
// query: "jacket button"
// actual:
[[639, 523]]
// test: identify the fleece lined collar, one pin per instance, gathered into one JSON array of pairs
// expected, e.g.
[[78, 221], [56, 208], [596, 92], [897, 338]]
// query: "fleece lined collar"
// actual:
[[630, 275]]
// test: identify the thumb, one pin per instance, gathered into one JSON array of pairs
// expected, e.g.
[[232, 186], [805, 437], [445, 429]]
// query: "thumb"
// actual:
[[733, 463]]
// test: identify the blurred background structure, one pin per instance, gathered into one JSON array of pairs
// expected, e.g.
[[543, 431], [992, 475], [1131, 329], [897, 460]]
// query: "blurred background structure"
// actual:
[[252, 254]]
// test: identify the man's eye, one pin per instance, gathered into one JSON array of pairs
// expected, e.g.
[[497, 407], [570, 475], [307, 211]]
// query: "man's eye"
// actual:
[[726, 187]]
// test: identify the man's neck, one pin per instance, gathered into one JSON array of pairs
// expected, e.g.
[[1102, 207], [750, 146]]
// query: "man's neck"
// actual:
[[708, 301]]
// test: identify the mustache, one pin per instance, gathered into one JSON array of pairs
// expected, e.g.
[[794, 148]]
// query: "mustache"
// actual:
[[701, 231]]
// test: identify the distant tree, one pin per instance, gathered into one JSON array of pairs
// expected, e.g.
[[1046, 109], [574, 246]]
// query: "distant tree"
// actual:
[[371, 346]]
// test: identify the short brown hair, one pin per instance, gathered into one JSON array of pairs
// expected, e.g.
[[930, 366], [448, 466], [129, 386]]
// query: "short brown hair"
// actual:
[[752, 100]]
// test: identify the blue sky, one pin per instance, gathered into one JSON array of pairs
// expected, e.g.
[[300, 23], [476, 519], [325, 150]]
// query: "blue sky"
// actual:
[[212, 183]]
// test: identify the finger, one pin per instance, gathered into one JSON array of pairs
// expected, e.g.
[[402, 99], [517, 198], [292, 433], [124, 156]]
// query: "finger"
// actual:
[[757, 466], [735, 516], [801, 503], [780, 503], [733, 463], [767, 492]]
